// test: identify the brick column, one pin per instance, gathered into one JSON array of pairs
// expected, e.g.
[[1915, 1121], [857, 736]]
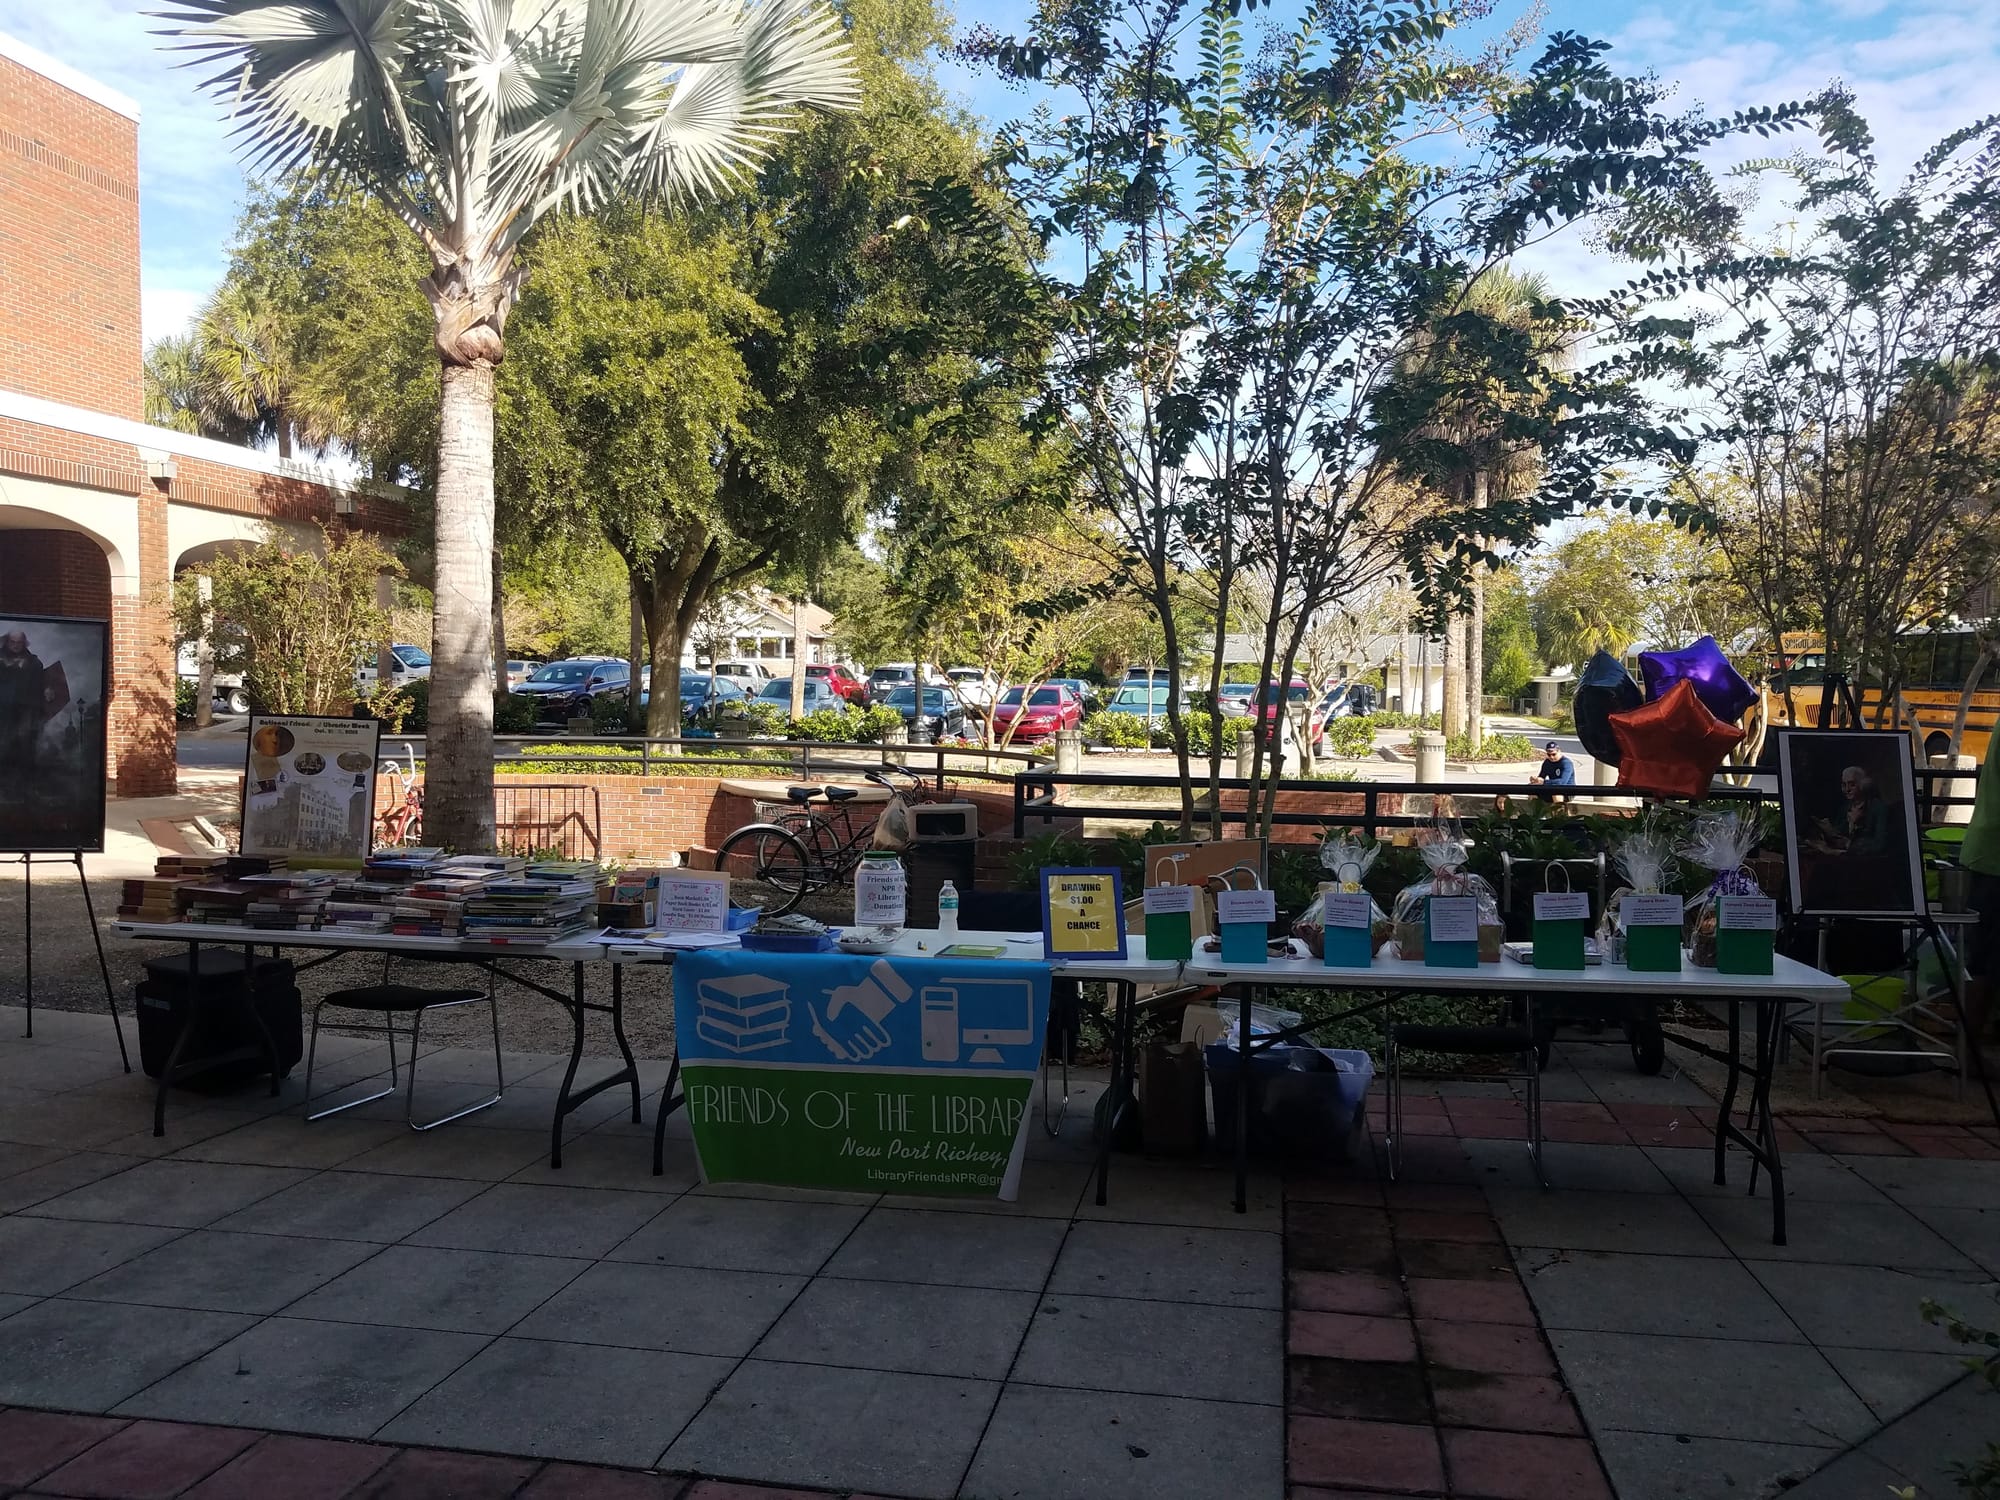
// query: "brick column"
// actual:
[[142, 671]]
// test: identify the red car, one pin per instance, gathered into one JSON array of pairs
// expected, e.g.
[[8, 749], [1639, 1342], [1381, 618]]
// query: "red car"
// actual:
[[1048, 708], [837, 677]]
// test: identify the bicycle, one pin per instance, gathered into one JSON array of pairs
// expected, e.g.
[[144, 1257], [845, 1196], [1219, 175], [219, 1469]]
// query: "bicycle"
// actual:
[[403, 821], [794, 850]]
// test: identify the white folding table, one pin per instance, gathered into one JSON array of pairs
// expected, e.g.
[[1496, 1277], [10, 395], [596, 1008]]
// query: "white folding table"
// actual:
[[331, 943], [1387, 979]]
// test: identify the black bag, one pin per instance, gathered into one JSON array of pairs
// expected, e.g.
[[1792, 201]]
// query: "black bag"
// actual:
[[222, 1017]]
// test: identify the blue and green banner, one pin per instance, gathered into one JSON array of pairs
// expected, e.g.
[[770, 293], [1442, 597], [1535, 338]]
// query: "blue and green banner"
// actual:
[[868, 1074]]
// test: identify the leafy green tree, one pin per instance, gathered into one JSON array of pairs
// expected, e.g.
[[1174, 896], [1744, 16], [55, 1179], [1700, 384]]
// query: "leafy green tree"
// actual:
[[1851, 377], [1626, 581], [470, 121], [1508, 645], [1253, 248], [293, 620]]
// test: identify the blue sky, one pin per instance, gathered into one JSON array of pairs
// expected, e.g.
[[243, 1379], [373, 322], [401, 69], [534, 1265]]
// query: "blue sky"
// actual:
[[1919, 67]]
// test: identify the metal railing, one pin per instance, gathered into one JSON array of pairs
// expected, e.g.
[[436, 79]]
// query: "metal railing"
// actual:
[[582, 754], [1038, 797]]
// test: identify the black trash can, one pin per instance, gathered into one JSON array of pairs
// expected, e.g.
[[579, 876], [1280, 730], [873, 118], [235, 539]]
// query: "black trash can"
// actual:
[[221, 993]]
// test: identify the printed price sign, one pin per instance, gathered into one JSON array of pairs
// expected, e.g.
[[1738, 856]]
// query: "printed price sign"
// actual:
[[1651, 911], [1454, 919], [694, 901], [1562, 906], [1349, 909], [1083, 914], [1259, 908], [1746, 914], [1168, 900]]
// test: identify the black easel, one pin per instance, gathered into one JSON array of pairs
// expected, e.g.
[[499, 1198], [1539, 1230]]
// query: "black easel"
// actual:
[[27, 863]]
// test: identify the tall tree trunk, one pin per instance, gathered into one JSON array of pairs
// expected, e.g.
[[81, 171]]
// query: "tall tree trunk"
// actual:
[[500, 683], [799, 660], [1475, 632], [458, 796], [638, 655], [1453, 714]]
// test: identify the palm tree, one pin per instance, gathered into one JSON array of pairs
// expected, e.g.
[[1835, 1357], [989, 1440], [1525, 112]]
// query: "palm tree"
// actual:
[[470, 120]]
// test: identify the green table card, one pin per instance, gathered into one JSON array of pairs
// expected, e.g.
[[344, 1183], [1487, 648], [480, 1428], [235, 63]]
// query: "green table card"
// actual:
[[1560, 917], [1746, 934]]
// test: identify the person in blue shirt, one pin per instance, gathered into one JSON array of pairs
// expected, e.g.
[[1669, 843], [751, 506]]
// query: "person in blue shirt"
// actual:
[[1557, 769]]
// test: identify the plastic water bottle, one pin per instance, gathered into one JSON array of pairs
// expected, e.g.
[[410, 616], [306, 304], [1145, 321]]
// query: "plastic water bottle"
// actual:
[[948, 910]]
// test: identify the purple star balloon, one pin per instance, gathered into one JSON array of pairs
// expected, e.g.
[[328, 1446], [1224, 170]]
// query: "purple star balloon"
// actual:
[[1720, 687]]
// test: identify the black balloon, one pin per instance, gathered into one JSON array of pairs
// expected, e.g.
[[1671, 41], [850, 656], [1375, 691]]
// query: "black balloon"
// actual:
[[1604, 688]]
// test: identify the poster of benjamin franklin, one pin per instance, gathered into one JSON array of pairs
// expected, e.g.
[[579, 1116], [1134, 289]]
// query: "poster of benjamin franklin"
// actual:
[[52, 690]]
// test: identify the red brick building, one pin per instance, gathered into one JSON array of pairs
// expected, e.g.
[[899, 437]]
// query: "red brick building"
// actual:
[[98, 511]]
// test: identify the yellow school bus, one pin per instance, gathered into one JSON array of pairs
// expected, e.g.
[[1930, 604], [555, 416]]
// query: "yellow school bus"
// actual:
[[1936, 666]]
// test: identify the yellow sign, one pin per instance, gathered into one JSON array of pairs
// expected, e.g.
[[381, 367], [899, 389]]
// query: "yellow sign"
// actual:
[[1083, 914]]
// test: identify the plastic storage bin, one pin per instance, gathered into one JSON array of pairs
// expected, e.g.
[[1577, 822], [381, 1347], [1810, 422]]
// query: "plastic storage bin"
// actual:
[[1298, 1108]]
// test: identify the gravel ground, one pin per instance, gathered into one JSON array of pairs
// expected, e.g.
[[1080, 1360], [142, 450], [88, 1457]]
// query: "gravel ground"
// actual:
[[66, 978]]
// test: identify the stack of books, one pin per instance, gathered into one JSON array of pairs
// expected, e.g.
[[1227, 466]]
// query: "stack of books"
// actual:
[[529, 911], [287, 900], [154, 900], [215, 901], [743, 1013], [366, 901], [434, 906]]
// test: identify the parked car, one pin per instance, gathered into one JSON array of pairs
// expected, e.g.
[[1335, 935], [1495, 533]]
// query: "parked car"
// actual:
[[1159, 676], [1142, 702], [942, 716], [819, 694], [1233, 699], [567, 688], [975, 687], [231, 696], [706, 695], [519, 672], [757, 671], [408, 663], [836, 676], [890, 675], [1086, 692], [1040, 711]]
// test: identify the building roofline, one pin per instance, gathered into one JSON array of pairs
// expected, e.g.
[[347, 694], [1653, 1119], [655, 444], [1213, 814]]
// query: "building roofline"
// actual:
[[19, 51], [66, 418]]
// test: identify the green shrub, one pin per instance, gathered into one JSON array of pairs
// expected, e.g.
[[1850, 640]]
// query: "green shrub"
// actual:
[[184, 700], [513, 713], [402, 710], [1493, 747], [1120, 731], [1385, 719], [1204, 729], [874, 723], [764, 718], [827, 724], [1047, 851], [610, 714], [1351, 738]]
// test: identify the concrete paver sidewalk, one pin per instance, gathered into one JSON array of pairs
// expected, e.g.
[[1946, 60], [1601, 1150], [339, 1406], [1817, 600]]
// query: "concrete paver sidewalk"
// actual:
[[375, 1297]]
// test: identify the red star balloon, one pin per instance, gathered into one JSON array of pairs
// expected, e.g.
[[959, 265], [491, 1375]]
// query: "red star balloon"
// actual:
[[1672, 746]]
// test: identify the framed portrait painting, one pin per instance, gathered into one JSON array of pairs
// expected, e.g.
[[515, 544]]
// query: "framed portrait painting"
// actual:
[[1851, 831]]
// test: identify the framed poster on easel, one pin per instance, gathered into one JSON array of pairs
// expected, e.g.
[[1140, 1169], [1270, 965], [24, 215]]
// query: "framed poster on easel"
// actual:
[[309, 789], [55, 674], [1851, 832], [53, 681]]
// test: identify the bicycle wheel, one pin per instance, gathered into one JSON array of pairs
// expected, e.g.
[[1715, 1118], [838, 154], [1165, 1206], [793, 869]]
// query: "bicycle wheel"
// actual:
[[768, 866]]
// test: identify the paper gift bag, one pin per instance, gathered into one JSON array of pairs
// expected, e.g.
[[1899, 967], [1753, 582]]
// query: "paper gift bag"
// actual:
[[1173, 1109], [1560, 919], [1451, 932], [1244, 920], [1349, 929], [1652, 932], [1172, 914], [1746, 934]]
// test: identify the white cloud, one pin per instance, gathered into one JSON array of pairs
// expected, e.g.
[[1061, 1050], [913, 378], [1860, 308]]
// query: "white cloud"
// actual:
[[165, 310]]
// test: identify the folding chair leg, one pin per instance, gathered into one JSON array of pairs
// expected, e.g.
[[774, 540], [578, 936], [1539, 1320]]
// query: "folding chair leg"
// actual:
[[388, 1030]]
